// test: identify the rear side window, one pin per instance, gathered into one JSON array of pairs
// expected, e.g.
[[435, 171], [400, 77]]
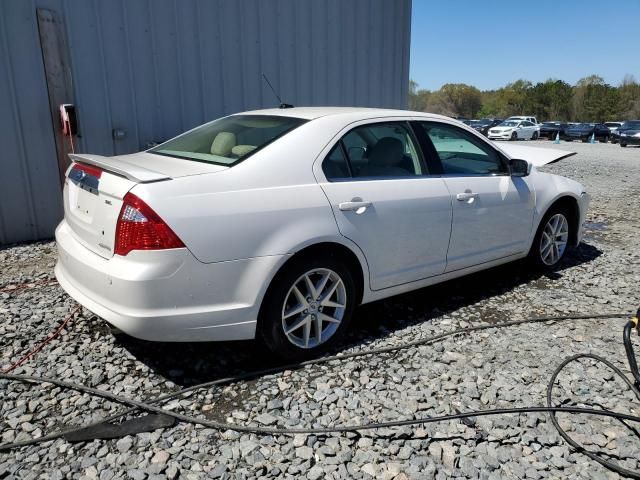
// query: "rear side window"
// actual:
[[384, 150], [335, 166], [228, 140], [460, 153]]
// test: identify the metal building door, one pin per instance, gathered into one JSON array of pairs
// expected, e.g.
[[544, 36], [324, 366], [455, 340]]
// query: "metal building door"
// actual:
[[55, 57]]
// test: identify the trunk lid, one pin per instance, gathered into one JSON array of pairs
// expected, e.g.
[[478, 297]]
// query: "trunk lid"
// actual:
[[95, 187]]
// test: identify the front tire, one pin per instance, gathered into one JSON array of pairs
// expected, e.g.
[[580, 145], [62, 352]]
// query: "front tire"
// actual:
[[623, 145], [534, 136], [552, 240], [514, 136], [308, 307]]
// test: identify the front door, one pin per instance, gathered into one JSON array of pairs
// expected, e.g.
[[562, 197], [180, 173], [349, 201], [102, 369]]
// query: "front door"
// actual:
[[385, 201], [492, 211]]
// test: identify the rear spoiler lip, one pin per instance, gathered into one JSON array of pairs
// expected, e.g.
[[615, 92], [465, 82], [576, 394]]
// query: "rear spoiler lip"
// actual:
[[120, 167]]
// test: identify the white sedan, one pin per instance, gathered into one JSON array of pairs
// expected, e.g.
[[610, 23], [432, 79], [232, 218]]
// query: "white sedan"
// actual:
[[514, 130], [276, 224]]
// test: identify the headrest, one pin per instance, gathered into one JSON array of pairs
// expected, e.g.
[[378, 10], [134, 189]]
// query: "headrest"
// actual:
[[223, 144], [242, 150], [388, 151]]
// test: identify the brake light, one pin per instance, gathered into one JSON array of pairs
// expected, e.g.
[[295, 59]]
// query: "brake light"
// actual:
[[140, 228]]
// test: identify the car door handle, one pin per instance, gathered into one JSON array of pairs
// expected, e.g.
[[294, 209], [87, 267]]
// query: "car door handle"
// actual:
[[358, 207], [463, 197]]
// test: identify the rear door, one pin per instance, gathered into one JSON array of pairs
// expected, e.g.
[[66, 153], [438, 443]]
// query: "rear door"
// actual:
[[385, 200], [492, 211]]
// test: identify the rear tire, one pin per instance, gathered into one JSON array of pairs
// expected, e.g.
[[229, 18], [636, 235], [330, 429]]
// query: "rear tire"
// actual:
[[623, 145], [551, 242], [298, 320], [534, 136], [514, 136]]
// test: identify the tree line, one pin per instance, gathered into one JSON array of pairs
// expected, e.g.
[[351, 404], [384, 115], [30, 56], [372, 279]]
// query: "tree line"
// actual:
[[591, 99]]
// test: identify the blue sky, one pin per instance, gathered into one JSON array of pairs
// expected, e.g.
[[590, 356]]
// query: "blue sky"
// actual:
[[489, 43]]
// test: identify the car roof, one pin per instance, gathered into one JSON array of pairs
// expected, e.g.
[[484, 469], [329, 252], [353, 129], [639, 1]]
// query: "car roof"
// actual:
[[311, 113]]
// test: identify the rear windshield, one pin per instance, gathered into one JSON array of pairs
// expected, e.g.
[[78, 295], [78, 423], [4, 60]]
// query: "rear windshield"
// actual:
[[228, 140], [631, 124]]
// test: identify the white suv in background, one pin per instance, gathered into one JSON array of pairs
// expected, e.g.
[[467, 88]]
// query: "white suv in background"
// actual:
[[528, 119]]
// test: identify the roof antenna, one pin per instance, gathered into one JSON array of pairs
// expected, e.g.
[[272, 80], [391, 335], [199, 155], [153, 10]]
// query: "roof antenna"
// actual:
[[282, 105]]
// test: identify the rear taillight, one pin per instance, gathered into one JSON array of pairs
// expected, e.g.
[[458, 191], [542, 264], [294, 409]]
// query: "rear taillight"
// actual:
[[140, 228]]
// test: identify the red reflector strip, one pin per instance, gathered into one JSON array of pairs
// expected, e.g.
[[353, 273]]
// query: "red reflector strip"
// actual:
[[93, 171]]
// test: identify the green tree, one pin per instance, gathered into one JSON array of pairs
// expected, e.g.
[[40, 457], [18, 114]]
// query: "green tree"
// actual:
[[551, 100], [418, 99], [629, 98], [456, 99]]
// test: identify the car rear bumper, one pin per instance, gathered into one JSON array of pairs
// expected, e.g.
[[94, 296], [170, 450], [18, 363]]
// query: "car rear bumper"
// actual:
[[166, 295]]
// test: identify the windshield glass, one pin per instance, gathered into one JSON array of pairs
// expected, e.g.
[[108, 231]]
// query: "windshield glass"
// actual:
[[509, 123], [551, 124], [228, 140], [580, 126], [612, 124], [634, 124]]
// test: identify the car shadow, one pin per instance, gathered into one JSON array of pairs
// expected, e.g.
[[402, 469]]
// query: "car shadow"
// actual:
[[187, 364]]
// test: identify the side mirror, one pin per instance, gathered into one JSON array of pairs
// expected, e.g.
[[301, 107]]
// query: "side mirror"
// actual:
[[519, 168]]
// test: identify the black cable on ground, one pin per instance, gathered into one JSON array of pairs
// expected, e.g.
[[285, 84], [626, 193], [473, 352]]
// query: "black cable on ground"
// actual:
[[150, 407], [592, 455]]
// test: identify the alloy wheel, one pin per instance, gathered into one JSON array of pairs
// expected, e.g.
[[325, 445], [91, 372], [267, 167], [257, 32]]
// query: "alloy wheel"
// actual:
[[553, 241], [313, 308]]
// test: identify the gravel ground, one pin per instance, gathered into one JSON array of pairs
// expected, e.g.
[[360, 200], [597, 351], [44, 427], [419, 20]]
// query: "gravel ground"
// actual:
[[495, 368]]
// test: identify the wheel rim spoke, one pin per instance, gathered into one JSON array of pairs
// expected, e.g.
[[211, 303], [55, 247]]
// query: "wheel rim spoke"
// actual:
[[295, 311], [323, 284], [307, 332], [331, 304], [310, 286], [301, 298], [318, 325], [327, 318], [297, 325]]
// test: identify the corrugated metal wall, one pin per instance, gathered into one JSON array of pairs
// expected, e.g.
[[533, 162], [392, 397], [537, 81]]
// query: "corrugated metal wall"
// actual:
[[154, 68]]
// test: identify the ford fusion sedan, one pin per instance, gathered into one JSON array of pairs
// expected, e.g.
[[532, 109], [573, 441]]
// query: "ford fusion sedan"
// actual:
[[514, 130], [629, 133], [275, 224]]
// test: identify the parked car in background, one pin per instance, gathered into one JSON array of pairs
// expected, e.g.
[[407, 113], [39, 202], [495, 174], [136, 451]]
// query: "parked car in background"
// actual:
[[584, 131], [551, 129], [483, 125], [514, 130], [275, 224], [613, 128], [629, 133]]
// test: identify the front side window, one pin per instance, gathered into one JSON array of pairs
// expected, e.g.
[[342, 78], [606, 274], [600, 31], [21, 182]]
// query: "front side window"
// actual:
[[228, 140], [382, 150], [460, 153]]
